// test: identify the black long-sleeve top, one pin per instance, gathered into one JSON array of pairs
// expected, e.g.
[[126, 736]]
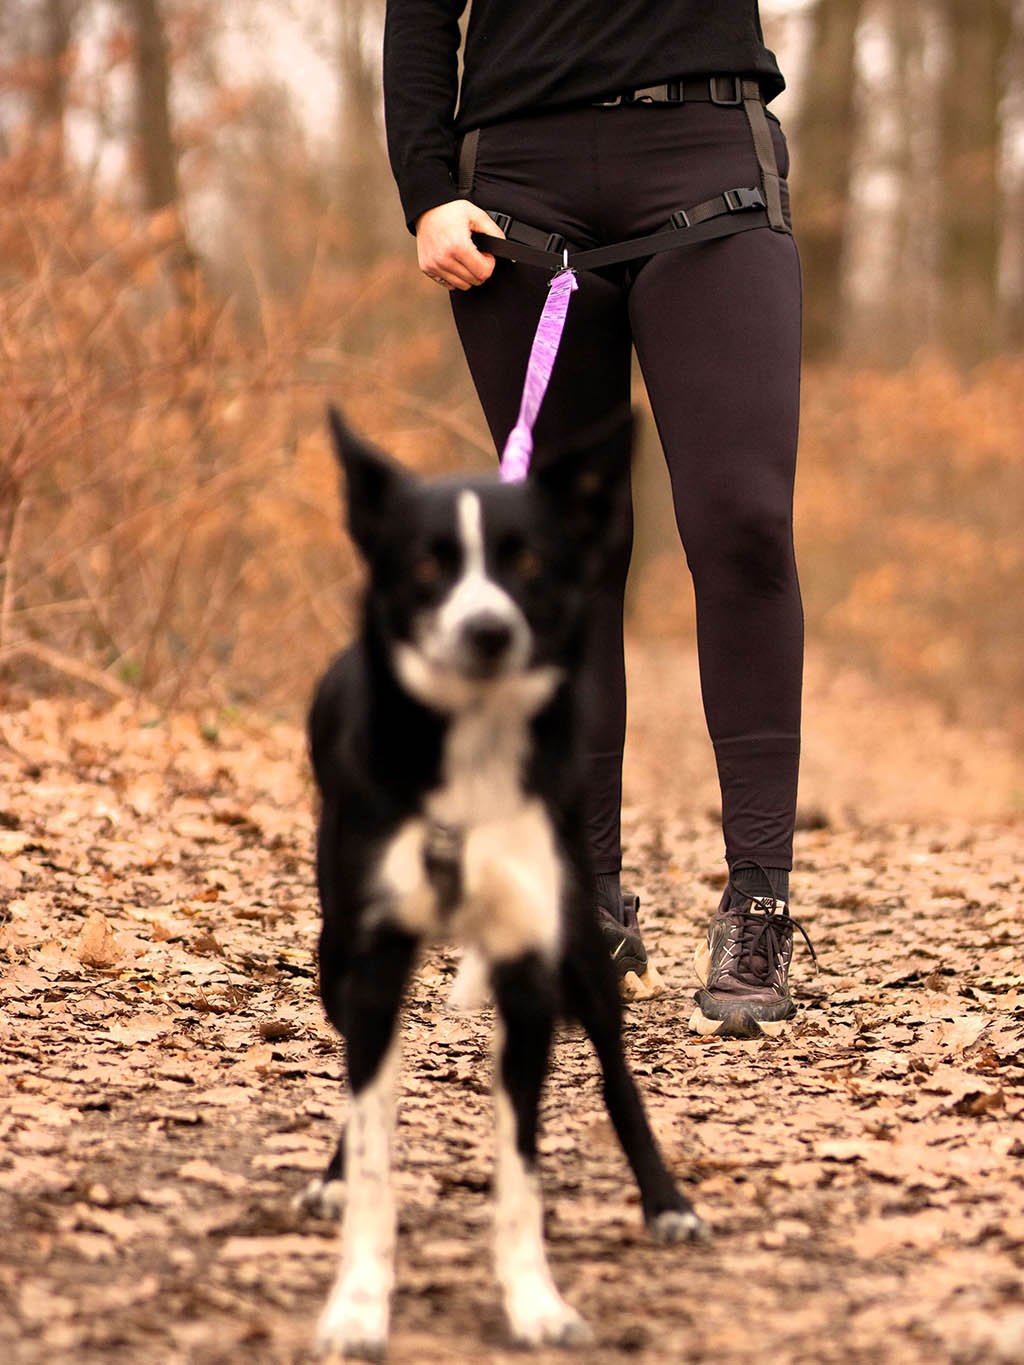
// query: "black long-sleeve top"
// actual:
[[527, 55]]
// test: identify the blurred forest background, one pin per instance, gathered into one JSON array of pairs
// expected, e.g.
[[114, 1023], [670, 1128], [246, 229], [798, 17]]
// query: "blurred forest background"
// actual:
[[200, 244]]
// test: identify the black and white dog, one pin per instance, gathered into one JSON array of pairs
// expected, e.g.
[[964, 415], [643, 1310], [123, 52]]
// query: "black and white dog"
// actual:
[[444, 745]]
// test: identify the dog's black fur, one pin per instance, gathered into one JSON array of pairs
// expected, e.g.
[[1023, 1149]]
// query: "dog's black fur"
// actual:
[[444, 743]]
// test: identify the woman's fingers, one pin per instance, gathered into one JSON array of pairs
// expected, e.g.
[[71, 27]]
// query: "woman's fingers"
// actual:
[[445, 247]]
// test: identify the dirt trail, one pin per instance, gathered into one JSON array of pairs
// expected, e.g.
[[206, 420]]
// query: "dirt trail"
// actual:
[[168, 1083]]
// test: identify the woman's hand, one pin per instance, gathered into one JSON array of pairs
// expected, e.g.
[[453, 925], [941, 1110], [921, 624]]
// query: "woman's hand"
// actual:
[[445, 248]]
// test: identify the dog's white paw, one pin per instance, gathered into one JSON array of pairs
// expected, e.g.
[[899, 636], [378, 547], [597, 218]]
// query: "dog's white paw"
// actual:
[[469, 992], [354, 1323], [321, 1199], [545, 1319], [673, 1226]]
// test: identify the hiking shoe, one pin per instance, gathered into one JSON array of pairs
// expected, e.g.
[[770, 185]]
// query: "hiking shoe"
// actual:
[[744, 969], [637, 977]]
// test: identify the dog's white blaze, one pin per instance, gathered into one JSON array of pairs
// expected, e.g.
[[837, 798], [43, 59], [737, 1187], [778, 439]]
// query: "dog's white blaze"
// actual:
[[358, 1308], [536, 1311], [475, 592]]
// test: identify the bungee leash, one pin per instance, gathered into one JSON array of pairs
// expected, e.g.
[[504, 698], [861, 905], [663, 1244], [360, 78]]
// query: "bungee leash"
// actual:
[[515, 458]]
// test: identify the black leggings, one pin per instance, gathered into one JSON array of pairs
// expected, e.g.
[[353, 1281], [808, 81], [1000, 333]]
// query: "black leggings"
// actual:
[[716, 327]]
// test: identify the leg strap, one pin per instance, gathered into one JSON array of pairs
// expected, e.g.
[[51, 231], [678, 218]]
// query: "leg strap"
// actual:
[[737, 210], [764, 150]]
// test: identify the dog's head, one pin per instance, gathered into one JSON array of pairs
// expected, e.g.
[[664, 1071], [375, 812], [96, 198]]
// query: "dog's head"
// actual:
[[475, 585]]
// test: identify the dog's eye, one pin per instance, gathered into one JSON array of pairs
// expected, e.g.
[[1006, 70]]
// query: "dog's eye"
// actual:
[[528, 565], [427, 571], [516, 557]]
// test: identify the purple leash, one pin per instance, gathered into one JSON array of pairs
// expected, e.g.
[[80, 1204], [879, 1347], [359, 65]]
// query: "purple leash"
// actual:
[[515, 458]]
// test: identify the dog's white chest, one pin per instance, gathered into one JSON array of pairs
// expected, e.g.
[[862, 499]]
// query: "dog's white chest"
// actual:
[[509, 873]]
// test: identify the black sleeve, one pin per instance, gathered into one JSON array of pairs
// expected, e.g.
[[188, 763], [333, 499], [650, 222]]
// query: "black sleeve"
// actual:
[[421, 78]]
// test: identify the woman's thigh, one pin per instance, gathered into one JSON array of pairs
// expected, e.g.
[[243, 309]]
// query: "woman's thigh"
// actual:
[[717, 332]]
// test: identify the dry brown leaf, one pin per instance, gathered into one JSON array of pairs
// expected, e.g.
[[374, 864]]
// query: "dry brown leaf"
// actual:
[[97, 944]]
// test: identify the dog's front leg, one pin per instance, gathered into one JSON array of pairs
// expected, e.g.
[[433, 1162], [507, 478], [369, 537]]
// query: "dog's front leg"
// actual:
[[537, 1314], [356, 1316], [593, 996]]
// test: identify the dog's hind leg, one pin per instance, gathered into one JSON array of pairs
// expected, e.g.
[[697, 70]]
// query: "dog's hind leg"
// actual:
[[525, 996], [365, 1003], [592, 996]]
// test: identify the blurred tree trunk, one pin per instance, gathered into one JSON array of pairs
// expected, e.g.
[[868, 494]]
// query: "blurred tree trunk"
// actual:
[[911, 290], [363, 195], [978, 36], [1013, 240], [51, 105], [157, 153], [825, 128]]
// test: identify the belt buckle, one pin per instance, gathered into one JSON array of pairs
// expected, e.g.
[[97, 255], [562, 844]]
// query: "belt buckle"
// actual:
[[667, 92], [737, 200], [737, 93]]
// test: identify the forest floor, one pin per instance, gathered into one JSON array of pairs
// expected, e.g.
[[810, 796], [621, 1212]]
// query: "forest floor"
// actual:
[[168, 1083]]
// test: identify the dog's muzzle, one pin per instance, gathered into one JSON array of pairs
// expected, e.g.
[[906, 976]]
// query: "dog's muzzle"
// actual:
[[485, 642]]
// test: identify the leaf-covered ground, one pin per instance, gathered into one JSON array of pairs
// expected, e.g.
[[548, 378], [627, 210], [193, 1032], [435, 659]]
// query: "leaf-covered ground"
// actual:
[[168, 1082]]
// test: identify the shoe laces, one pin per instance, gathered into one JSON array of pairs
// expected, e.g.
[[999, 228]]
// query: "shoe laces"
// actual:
[[761, 933]]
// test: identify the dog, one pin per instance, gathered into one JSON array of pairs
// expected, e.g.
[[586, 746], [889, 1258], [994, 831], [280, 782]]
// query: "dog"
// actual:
[[444, 742]]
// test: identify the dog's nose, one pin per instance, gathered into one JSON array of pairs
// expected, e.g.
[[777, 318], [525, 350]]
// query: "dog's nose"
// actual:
[[487, 637]]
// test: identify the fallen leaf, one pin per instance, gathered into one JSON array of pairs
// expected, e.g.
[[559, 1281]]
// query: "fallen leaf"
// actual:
[[97, 944]]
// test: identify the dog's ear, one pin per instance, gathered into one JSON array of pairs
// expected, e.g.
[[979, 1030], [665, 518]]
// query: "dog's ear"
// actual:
[[586, 480], [373, 483]]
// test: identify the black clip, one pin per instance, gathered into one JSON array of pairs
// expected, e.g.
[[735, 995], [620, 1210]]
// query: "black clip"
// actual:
[[680, 219], [737, 90], [735, 200], [555, 243], [503, 220]]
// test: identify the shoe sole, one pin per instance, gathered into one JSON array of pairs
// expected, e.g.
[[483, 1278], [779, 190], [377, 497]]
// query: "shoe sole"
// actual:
[[738, 1023]]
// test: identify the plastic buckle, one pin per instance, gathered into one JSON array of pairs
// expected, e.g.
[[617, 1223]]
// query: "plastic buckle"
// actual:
[[735, 200], [737, 92], [555, 243], [656, 94], [680, 219], [503, 220]]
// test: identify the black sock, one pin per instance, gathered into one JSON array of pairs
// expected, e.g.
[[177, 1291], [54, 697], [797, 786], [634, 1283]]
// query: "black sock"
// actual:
[[609, 893], [750, 881]]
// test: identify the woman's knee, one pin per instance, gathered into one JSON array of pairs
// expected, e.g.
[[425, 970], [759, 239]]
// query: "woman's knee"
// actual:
[[745, 549]]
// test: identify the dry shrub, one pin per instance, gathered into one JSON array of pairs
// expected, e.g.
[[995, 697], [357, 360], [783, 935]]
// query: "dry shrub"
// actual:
[[909, 501], [909, 493], [168, 506]]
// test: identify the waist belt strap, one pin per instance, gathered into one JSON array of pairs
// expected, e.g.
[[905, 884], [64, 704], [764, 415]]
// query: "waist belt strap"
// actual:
[[734, 211], [764, 150], [713, 89]]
